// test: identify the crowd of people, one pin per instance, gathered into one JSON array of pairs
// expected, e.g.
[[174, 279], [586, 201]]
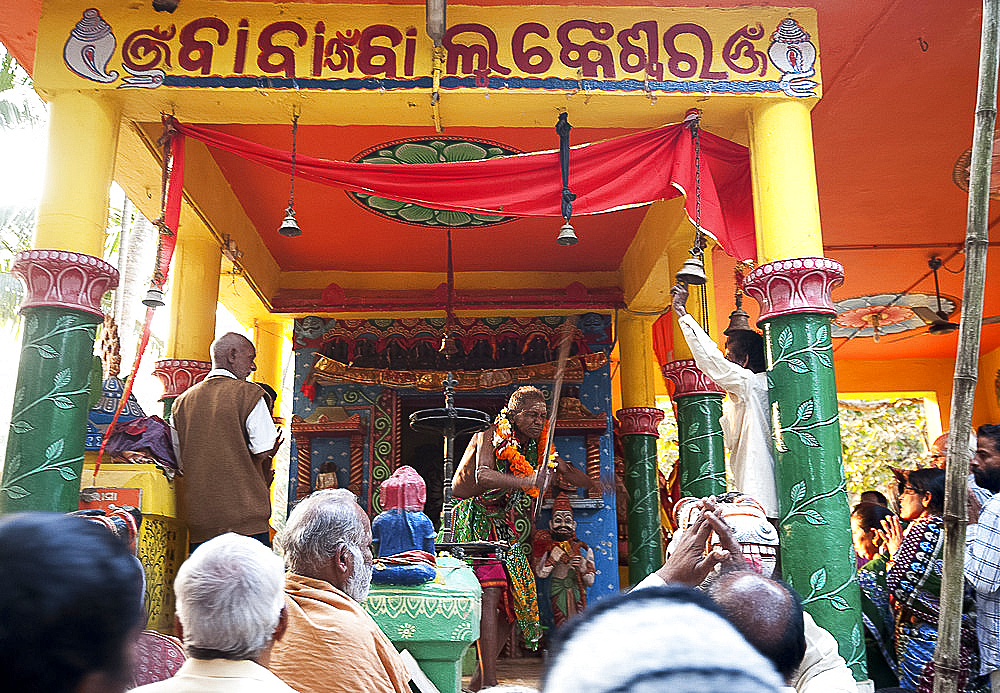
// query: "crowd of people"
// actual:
[[712, 617], [900, 574]]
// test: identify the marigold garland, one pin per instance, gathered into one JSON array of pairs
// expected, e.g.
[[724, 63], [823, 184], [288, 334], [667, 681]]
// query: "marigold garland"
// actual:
[[508, 448]]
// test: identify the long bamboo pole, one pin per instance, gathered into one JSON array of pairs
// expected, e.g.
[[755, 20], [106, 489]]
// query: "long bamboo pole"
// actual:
[[946, 655]]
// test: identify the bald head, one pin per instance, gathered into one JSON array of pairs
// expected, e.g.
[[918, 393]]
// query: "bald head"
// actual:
[[767, 612], [234, 353]]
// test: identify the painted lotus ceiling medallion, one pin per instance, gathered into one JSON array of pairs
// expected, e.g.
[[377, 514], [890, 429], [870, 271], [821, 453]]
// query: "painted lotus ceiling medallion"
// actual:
[[429, 151]]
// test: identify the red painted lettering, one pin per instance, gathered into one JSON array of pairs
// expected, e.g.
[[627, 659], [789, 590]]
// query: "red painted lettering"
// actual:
[[590, 55], [196, 54], [534, 60], [273, 59]]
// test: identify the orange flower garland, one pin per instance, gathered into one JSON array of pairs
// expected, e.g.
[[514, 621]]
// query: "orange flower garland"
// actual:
[[507, 448]]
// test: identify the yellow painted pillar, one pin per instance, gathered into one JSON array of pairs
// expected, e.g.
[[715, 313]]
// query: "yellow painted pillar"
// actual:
[[783, 171], [638, 420], [80, 161], [268, 338], [793, 286], [194, 295], [638, 362]]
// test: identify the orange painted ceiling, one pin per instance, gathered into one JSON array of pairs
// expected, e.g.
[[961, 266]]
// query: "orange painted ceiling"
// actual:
[[899, 91]]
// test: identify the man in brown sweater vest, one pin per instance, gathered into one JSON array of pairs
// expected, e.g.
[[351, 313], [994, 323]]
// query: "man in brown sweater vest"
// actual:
[[225, 439]]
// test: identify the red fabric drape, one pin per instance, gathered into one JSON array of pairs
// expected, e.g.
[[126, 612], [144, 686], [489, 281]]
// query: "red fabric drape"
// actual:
[[663, 339], [171, 208], [612, 174]]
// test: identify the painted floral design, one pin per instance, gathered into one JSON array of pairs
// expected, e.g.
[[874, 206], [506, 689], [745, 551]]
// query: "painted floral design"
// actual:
[[430, 151]]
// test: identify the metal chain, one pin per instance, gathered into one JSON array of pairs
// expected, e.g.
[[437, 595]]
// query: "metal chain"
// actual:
[[699, 240], [295, 130]]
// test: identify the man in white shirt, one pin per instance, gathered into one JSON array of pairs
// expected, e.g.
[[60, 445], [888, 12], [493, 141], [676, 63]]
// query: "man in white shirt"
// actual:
[[982, 551], [746, 424]]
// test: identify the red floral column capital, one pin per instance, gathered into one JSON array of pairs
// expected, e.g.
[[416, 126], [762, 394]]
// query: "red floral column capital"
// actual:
[[177, 375], [64, 279], [799, 285], [639, 420], [689, 380]]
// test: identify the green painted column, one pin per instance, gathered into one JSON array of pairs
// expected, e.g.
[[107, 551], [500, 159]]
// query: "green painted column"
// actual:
[[816, 553], [48, 424], [639, 434], [699, 434]]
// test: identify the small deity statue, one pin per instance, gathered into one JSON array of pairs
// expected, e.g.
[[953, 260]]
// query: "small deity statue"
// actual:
[[566, 561], [402, 535]]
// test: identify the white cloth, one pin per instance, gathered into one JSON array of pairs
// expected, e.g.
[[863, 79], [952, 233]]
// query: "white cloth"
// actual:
[[982, 569], [259, 425], [219, 676], [746, 423], [822, 670]]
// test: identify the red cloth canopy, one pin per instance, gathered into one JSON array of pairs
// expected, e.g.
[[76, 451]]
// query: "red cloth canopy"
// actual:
[[611, 174]]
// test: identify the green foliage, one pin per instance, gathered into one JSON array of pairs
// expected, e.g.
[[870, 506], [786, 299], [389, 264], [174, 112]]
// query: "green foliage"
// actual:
[[877, 434], [19, 105]]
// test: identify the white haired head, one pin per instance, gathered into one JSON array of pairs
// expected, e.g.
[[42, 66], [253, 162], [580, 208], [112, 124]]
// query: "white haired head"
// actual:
[[660, 638], [230, 595], [321, 526]]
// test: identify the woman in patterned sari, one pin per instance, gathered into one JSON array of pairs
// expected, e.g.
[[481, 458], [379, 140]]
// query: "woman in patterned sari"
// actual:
[[914, 583], [871, 546]]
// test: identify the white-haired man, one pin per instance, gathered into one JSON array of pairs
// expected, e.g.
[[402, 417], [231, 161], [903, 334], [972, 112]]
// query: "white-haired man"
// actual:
[[332, 645], [230, 611]]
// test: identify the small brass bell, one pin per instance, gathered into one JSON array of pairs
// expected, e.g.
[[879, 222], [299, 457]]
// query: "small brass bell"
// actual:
[[567, 235], [289, 227], [448, 345], [692, 272], [739, 320], [154, 298]]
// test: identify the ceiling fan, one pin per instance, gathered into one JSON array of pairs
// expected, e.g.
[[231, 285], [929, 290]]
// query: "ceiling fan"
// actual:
[[937, 321]]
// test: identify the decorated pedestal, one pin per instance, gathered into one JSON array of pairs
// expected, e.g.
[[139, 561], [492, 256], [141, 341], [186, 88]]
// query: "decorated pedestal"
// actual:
[[177, 375], [162, 544], [435, 622], [699, 434], [796, 306]]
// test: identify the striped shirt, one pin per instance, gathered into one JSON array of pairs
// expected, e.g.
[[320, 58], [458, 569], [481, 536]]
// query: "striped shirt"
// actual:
[[982, 569]]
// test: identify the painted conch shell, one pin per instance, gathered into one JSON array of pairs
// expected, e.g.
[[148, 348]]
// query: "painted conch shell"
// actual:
[[90, 47]]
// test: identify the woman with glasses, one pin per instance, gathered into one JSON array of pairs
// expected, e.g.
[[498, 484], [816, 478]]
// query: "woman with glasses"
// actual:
[[914, 584]]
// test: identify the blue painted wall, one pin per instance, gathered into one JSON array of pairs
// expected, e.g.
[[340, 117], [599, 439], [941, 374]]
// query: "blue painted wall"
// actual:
[[596, 527]]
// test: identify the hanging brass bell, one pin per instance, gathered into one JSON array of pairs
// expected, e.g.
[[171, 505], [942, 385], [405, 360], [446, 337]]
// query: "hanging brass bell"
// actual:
[[692, 272], [567, 235], [289, 227], [739, 320], [154, 298], [449, 347]]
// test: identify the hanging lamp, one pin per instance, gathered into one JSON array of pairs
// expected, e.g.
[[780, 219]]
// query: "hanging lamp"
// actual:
[[692, 272], [289, 227]]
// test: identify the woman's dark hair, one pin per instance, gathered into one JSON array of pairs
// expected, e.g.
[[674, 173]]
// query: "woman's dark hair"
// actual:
[[930, 481], [70, 597], [870, 515]]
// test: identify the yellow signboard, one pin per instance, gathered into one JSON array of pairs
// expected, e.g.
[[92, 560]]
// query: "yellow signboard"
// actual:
[[358, 48]]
